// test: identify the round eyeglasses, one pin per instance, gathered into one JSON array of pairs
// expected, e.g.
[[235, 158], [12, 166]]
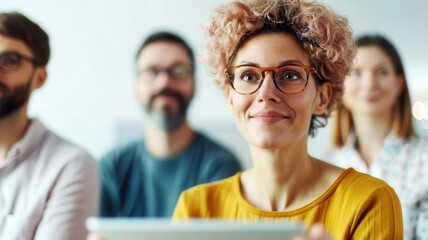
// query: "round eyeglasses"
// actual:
[[289, 78], [10, 61], [176, 72]]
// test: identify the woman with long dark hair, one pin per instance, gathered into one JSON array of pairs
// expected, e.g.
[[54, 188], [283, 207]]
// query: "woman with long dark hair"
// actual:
[[373, 132]]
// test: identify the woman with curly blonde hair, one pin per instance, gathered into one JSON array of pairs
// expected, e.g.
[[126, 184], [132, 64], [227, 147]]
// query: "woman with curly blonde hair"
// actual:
[[282, 65]]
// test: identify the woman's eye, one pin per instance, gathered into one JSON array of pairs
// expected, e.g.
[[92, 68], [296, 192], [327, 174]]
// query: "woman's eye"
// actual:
[[290, 76], [382, 72], [249, 77], [355, 73]]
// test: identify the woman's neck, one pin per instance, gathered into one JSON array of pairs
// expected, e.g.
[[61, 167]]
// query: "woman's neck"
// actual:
[[371, 132], [276, 180]]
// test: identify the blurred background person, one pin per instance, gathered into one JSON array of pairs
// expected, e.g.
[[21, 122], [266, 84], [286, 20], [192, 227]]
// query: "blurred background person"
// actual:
[[145, 178], [48, 186], [373, 132]]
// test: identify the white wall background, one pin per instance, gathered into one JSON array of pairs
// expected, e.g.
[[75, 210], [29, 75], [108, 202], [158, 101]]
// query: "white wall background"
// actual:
[[89, 93]]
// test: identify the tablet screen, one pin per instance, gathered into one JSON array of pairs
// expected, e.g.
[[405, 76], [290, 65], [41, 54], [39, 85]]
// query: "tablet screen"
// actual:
[[192, 229]]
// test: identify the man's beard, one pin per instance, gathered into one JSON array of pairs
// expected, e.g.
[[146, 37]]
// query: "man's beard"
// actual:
[[13, 99], [168, 120]]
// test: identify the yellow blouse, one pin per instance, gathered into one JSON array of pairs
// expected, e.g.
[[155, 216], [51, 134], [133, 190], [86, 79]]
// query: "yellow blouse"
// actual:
[[356, 206]]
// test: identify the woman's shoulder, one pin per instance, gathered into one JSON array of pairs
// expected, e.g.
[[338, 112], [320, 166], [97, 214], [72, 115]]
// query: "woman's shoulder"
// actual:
[[363, 201], [356, 179], [363, 197], [362, 186]]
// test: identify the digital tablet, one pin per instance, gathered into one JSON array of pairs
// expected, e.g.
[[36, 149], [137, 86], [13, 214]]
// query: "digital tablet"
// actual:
[[193, 229]]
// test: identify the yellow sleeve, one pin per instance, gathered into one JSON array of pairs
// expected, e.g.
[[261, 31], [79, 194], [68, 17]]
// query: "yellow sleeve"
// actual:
[[380, 216], [181, 209]]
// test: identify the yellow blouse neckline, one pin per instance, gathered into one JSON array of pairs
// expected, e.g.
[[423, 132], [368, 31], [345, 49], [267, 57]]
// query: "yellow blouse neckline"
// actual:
[[236, 188]]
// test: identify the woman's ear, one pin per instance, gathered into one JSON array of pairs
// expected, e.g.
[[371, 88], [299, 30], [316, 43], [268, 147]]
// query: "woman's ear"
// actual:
[[325, 93], [228, 93]]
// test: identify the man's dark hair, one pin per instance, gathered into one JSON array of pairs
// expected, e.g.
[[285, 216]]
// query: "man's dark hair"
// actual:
[[16, 25], [169, 37]]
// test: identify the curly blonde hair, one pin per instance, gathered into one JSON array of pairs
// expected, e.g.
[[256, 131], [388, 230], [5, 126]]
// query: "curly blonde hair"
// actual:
[[325, 37]]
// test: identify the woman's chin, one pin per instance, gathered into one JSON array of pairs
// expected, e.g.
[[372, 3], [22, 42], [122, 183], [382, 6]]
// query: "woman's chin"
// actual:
[[265, 143]]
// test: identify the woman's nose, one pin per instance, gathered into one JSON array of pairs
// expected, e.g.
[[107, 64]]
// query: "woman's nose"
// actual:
[[368, 80], [268, 90]]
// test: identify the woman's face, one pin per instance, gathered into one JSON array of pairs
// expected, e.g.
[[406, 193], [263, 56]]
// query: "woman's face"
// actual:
[[269, 118], [373, 85]]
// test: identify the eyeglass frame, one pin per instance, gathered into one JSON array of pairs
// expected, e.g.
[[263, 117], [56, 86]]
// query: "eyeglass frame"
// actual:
[[274, 70], [21, 56], [168, 71]]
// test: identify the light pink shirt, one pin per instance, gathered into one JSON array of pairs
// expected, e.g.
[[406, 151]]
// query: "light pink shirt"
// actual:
[[403, 164], [48, 187]]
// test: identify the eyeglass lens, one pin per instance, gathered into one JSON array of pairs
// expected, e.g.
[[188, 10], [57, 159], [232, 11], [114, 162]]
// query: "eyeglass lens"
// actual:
[[288, 79], [179, 71]]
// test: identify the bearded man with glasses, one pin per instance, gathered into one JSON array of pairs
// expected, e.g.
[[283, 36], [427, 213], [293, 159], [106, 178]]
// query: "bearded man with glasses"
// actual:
[[145, 178], [48, 186]]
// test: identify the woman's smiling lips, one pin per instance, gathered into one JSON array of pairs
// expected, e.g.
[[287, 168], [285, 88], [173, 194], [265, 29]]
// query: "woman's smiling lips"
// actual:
[[268, 117]]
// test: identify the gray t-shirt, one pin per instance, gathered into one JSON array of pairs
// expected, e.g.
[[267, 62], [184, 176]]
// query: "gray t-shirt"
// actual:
[[136, 184]]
